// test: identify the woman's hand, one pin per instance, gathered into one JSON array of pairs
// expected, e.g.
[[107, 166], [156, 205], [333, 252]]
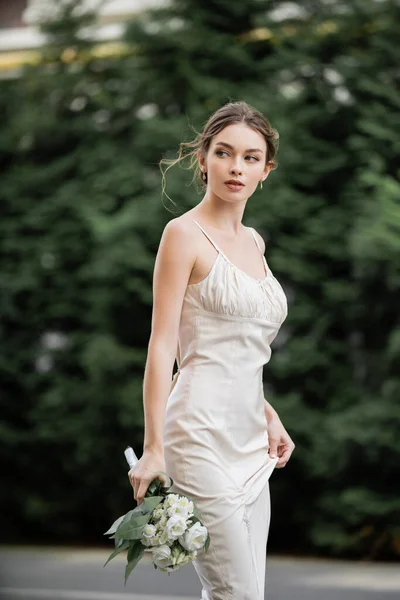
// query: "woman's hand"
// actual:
[[280, 442], [143, 473]]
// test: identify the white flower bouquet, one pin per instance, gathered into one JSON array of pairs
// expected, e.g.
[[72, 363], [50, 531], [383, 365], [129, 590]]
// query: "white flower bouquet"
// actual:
[[166, 524]]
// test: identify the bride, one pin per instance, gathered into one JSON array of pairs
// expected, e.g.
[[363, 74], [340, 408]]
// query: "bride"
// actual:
[[217, 307]]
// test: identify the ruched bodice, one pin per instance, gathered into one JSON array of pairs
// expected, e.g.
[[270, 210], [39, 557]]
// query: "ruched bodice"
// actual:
[[227, 290], [215, 432]]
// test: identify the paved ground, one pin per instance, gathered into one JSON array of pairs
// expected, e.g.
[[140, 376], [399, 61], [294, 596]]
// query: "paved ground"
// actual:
[[70, 574]]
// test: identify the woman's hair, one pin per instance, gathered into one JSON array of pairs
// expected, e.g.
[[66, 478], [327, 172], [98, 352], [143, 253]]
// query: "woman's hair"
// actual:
[[232, 112]]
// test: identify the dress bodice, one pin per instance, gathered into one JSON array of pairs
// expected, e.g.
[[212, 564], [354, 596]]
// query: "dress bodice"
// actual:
[[228, 290], [255, 308]]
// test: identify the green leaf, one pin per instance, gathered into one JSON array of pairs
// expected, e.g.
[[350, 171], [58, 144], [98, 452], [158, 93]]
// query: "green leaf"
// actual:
[[157, 488], [154, 488], [132, 530], [151, 502], [134, 547], [135, 553], [118, 542], [207, 543], [114, 526], [196, 513], [156, 485], [136, 512], [124, 545]]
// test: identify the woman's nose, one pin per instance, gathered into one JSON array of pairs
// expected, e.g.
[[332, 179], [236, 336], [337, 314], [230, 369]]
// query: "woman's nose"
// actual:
[[236, 168]]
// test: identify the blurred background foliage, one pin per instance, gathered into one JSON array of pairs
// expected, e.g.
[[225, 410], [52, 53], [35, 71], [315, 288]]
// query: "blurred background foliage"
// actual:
[[81, 219]]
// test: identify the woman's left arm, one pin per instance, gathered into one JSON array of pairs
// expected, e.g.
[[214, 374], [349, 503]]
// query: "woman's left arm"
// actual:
[[280, 442]]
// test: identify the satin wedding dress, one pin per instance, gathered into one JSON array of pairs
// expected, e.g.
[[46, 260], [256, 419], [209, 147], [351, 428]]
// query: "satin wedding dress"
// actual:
[[215, 433]]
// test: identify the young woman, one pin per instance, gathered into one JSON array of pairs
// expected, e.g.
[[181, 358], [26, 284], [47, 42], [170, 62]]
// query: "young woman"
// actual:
[[217, 308]]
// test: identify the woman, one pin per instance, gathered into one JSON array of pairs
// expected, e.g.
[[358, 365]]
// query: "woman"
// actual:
[[217, 308]]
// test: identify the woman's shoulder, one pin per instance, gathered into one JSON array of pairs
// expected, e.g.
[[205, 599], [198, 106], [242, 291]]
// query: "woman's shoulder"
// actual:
[[182, 226], [179, 234]]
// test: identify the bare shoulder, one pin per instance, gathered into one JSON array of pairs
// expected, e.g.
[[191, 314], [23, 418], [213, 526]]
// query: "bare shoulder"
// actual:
[[178, 249], [173, 265], [180, 226], [260, 240], [178, 232]]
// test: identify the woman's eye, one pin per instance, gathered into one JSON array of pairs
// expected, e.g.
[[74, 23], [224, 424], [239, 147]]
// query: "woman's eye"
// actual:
[[249, 158]]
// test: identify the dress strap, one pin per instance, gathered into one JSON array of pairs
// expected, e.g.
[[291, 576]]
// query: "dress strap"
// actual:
[[211, 240], [266, 266], [255, 239]]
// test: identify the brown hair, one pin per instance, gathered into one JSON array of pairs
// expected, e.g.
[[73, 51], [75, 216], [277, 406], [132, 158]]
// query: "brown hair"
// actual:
[[232, 112]]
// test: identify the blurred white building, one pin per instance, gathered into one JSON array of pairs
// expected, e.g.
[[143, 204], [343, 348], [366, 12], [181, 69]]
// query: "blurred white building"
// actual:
[[20, 37]]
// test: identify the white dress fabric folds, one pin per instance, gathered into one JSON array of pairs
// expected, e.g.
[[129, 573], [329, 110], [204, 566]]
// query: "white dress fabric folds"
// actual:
[[215, 433]]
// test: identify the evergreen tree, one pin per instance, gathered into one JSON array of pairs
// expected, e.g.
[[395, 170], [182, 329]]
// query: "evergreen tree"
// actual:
[[81, 221], [336, 379], [76, 278]]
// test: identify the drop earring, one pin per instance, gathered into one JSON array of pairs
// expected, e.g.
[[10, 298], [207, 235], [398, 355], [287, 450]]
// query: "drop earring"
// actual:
[[204, 176], [260, 184]]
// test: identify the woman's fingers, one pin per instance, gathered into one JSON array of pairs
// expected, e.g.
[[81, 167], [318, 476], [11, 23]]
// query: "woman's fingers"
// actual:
[[140, 486], [134, 481], [273, 446], [131, 477], [143, 473], [284, 455], [142, 489]]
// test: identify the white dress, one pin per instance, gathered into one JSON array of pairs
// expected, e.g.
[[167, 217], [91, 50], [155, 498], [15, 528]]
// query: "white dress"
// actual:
[[215, 434]]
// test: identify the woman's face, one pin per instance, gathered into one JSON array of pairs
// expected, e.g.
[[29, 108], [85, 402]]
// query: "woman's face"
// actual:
[[235, 162]]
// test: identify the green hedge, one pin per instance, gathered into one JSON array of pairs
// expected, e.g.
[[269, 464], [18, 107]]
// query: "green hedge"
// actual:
[[81, 218]]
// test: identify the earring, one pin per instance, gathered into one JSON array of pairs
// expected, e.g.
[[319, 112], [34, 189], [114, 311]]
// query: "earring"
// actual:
[[204, 176], [260, 184]]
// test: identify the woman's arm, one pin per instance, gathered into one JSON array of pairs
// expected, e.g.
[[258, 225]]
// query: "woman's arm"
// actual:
[[173, 265], [280, 442], [174, 262], [269, 411]]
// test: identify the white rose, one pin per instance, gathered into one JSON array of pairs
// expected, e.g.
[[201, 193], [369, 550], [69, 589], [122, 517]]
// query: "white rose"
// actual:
[[163, 521], [149, 530], [170, 500], [194, 538], [177, 510], [162, 556], [185, 503], [163, 537], [157, 513], [175, 526], [148, 533], [183, 507]]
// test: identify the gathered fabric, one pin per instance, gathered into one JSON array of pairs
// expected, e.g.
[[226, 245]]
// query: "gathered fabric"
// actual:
[[227, 290], [215, 431]]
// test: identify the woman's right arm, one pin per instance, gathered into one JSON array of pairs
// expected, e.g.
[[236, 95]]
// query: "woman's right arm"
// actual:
[[174, 262]]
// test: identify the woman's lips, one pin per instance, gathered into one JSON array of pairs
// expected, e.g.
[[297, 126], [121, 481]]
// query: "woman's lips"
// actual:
[[234, 187]]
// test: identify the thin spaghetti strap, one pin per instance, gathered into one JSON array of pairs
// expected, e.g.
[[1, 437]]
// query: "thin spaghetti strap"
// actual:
[[266, 265], [255, 239], [207, 236]]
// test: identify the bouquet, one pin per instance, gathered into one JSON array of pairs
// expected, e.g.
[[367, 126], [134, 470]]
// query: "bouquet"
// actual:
[[166, 524]]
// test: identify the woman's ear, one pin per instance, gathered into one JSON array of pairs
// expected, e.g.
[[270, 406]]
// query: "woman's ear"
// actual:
[[201, 160], [267, 169]]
